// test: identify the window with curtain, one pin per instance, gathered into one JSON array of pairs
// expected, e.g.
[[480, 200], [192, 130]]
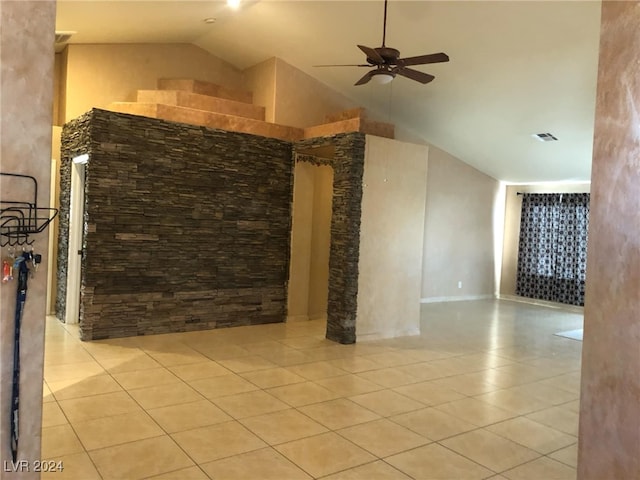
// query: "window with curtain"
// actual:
[[552, 253]]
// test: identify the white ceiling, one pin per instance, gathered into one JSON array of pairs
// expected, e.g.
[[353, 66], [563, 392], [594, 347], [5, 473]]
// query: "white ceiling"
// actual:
[[517, 67]]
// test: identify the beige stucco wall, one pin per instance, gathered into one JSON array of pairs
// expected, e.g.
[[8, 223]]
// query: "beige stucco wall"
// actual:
[[459, 237], [97, 75], [303, 101], [261, 81], [26, 50], [513, 205], [391, 238], [310, 242], [320, 241]]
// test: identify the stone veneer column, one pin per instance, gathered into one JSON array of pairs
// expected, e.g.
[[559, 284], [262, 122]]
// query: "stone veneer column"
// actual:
[[609, 444], [26, 43]]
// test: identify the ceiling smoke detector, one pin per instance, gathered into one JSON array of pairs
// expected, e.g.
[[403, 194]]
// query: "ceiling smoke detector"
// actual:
[[544, 137]]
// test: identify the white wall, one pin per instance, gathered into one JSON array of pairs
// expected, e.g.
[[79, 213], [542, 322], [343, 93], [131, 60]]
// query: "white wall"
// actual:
[[391, 238]]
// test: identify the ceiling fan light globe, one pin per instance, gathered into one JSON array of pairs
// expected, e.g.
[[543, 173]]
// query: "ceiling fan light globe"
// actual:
[[383, 78]]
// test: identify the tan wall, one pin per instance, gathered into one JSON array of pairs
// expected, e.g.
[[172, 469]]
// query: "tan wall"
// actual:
[[302, 101], [261, 81], [301, 231], [513, 206], [320, 242], [26, 49], [391, 238], [459, 237], [310, 242], [97, 75]]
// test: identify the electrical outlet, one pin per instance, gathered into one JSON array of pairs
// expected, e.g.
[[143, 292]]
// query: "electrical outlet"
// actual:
[[460, 284]]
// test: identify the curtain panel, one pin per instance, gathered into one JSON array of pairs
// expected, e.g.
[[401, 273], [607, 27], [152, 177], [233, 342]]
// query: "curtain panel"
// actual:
[[552, 254]]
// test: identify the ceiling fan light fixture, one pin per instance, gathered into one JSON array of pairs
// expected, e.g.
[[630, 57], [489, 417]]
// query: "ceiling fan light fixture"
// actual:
[[383, 77]]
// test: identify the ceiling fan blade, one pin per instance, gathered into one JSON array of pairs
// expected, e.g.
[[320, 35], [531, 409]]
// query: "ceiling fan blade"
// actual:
[[343, 65], [368, 76], [424, 59], [414, 75], [372, 55]]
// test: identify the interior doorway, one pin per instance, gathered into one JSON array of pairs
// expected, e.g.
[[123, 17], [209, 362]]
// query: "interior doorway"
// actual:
[[76, 230], [310, 240]]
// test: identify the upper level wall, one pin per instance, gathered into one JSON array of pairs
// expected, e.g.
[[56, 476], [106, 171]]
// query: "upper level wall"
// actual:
[[513, 207], [97, 75], [459, 235]]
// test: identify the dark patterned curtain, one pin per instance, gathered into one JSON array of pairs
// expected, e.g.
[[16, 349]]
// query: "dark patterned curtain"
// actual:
[[552, 255]]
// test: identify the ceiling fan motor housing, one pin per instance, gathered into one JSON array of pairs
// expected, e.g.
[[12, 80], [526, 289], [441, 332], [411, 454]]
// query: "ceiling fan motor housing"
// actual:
[[388, 54]]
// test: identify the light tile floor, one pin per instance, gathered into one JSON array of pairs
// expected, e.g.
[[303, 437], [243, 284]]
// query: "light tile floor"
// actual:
[[486, 391]]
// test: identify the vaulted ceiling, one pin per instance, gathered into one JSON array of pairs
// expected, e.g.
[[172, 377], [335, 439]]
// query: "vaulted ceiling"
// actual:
[[517, 68]]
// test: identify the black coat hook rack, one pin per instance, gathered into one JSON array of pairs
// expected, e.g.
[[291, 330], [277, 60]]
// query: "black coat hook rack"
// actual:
[[20, 216]]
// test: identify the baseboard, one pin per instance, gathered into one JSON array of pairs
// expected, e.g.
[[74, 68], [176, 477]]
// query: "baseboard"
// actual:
[[541, 303], [461, 298], [383, 335]]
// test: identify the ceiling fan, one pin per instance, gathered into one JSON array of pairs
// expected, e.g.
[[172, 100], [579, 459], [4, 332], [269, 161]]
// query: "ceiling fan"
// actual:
[[388, 64]]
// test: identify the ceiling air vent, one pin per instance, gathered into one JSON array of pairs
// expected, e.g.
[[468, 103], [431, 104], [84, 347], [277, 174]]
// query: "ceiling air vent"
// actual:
[[544, 137], [63, 37]]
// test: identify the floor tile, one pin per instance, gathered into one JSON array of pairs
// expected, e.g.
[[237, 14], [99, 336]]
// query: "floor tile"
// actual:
[[559, 418], [476, 412], [377, 470], [66, 389], [273, 377], [184, 357], [513, 401], [140, 459], [165, 395], [186, 416], [436, 462], [224, 352], [347, 385], [80, 370], [249, 363], [532, 434], [389, 377], [422, 371], [490, 450], [300, 394], [283, 426], [128, 363], [250, 404], [145, 378], [324, 454], [541, 468], [264, 464], [222, 386], [429, 393], [567, 455], [339, 413], [76, 466], [96, 406], [189, 473], [117, 429], [52, 415], [354, 364], [222, 440], [383, 438], [59, 440], [391, 359], [195, 371], [467, 384], [432, 423], [387, 402], [317, 370]]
